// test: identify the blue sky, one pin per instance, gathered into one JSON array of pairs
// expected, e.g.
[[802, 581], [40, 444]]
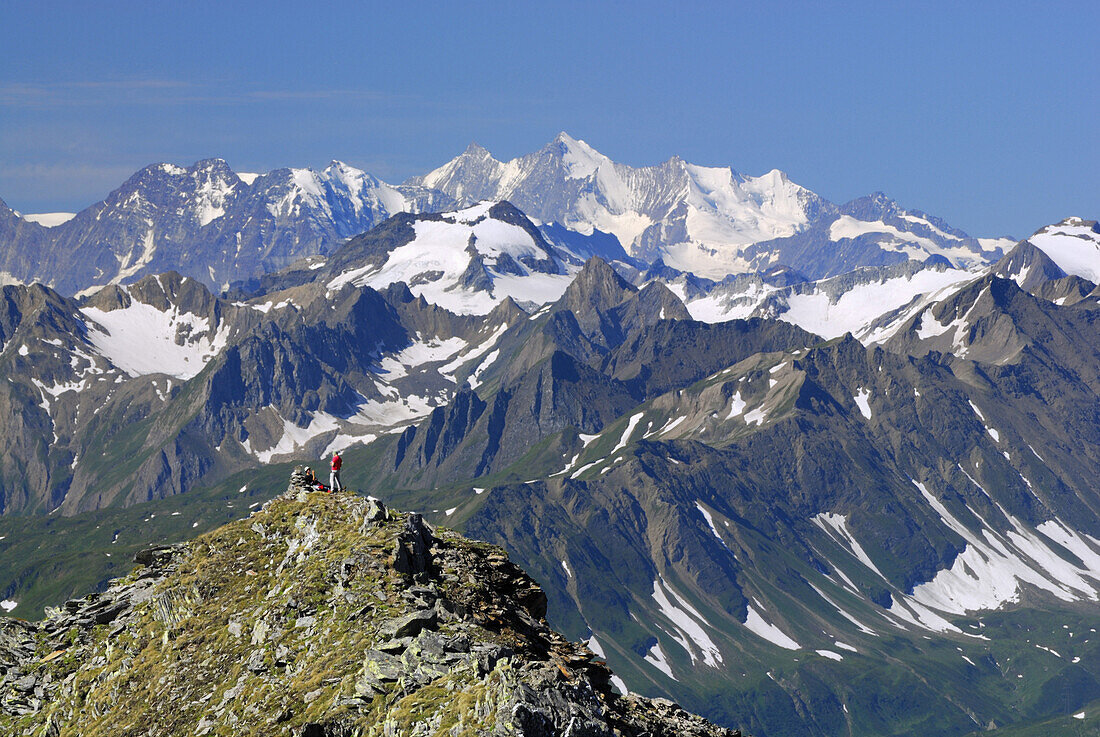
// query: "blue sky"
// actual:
[[986, 114]]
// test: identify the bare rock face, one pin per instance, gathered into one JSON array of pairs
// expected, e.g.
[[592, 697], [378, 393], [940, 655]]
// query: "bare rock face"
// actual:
[[318, 616]]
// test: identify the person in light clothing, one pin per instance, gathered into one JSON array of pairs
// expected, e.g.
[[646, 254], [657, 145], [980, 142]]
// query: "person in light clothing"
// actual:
[[334, 477]]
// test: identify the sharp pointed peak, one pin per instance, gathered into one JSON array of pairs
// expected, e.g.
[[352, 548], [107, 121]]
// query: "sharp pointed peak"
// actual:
[[597, 275], [779, 175], [569, 143], [345, 171], [476, 149], [215, 167]]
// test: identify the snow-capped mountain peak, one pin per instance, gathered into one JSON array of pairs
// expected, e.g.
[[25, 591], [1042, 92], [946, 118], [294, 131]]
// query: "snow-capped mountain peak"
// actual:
[[580, 160], [215, 184], [467, 260], [1073, 244], [208, 222], [693, 217]]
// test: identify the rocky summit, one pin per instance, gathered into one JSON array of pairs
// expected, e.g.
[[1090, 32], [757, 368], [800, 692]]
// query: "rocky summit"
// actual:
[[318, 615]]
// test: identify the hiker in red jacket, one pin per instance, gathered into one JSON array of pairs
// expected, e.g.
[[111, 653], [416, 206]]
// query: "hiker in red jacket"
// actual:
[[334, 477]]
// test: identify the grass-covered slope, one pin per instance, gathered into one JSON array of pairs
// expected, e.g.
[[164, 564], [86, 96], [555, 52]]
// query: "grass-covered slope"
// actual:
[[47, 559]]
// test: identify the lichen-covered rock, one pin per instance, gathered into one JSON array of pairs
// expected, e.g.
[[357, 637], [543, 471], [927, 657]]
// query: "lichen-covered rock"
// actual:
[[320, 616]]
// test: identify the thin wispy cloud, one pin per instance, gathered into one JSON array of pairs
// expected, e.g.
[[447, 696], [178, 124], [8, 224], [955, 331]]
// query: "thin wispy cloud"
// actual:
[[341, 94], [81, 92], [167, 92]]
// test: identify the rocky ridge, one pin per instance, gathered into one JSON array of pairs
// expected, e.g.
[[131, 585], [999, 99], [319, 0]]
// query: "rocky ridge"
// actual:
[[319, 615]]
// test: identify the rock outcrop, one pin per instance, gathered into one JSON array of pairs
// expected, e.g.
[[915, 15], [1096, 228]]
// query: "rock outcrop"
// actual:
[[321, 616]]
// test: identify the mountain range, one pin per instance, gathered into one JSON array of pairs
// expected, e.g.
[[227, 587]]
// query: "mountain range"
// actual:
[[219, 227], [839, 484]]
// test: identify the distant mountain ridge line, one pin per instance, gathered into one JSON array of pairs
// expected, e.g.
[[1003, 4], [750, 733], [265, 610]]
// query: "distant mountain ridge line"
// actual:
[[213, 224]]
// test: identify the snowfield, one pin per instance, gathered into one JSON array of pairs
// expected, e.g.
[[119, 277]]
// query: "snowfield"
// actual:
[[434, 262], [142, 340], [1073, 245]]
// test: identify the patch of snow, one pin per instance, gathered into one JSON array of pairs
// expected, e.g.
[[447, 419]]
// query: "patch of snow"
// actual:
[[911, 611], [565, 567], [737, 405], [861, 399], [756, 416], [671, 425], [1075, 543], [829, 654], [836, 526], [988, 573], [142, 340], [762, 628], [858, 307], [132, 263], [474, 379], [594, 646], [476, 352], [295, 437], [627, 433], [57, 390], [50, 219], [419, 353], [391, 413], [656, 658], [710, 522], [7, 605], [584, 468], [682, 617], [992, 244], [929, 327], [1074, 248], [892, 238]]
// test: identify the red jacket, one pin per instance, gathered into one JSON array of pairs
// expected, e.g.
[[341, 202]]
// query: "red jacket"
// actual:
[[337, 461]]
